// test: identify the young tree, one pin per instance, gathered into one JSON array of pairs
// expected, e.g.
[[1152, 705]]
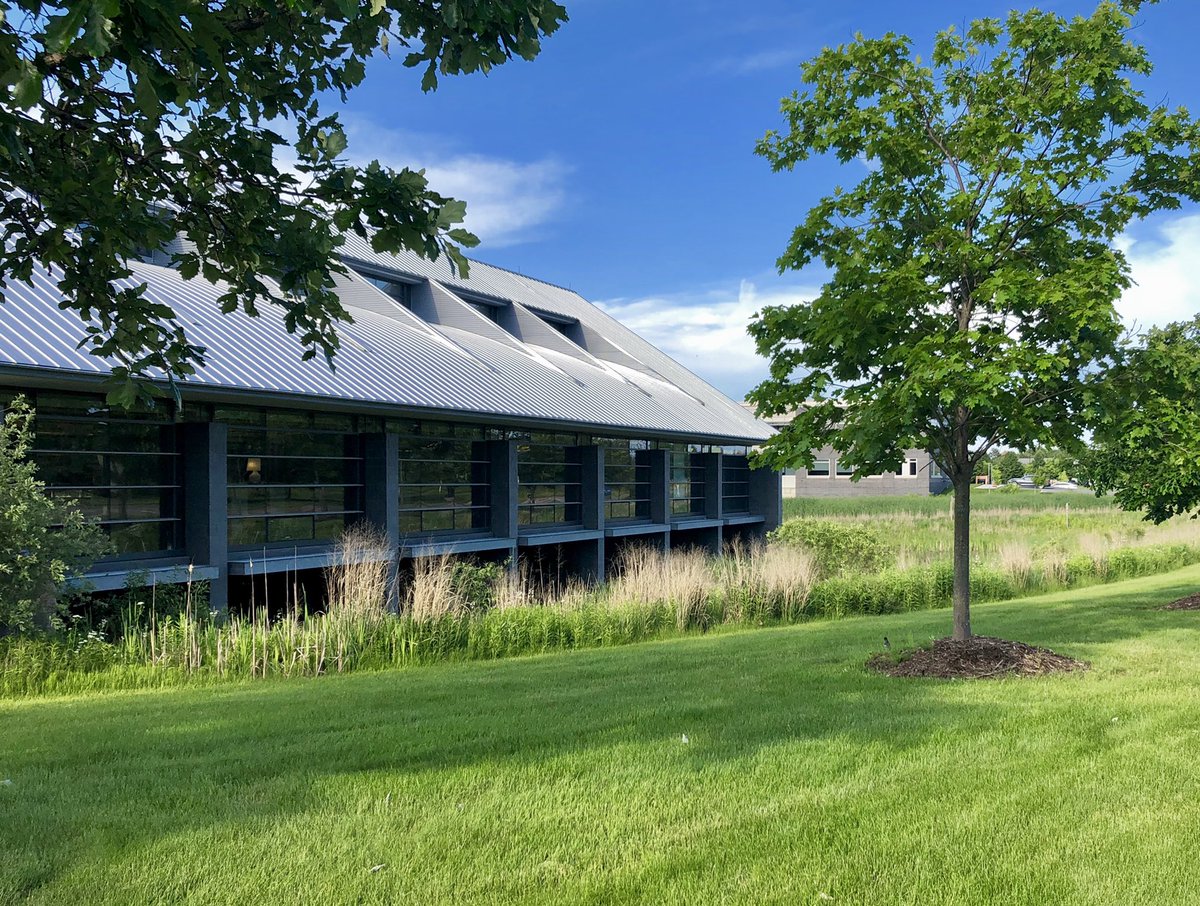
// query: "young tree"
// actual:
[[1146, 444], [973, 267], [1050, 465], [126, 124], [1007, 467], [41, 539], [983, 467], [1037, 467]]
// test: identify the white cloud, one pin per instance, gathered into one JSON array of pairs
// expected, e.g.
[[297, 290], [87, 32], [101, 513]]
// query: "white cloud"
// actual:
[[706, 331], [507, 200], [1166, 270]]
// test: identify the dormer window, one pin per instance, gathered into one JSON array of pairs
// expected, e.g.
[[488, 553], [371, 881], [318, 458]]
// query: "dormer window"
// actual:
[[401, 292], [489, 311], [568, 327]]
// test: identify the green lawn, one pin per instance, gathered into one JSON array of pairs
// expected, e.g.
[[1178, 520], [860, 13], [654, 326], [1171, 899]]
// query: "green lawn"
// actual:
[[981, 500], [565, 778], [1005, 526]]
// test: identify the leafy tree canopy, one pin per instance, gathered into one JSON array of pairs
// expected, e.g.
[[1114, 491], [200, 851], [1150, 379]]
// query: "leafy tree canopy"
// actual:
[[1146, 445], [973, 271], [129, 122]]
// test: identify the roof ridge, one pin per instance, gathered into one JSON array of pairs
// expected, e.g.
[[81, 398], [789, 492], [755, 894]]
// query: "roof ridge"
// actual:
[[509, 270]]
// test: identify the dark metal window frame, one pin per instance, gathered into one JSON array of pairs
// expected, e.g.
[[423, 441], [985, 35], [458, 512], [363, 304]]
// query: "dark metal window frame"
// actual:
[[687, 482], [735, 481], [418, 517], [558, 455], [325, 521], [625, 500], [167, 456]]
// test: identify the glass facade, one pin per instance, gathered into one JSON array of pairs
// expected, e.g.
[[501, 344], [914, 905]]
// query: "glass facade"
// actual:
[[626, 480], [549, 480], [293, 475], [445, 477], [296, 476], [123, 468], [735, 484], [688, 475]]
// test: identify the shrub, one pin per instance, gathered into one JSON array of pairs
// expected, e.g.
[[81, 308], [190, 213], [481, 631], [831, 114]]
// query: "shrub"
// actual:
[[140, 605], [475, 584], [836, 548], [41, 540]]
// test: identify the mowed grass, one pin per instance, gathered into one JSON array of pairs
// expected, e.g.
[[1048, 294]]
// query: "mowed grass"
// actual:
[[566, 778], [1006, 527], [940, 504]]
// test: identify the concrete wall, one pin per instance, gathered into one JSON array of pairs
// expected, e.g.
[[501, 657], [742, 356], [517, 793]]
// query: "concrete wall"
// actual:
[[800, 483]]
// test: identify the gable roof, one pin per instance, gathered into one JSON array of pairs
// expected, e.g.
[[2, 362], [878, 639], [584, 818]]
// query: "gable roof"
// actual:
[[553, 356]]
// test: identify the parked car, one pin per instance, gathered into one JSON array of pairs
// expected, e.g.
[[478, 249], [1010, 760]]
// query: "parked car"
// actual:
[[1024, 482], [1055, 486]]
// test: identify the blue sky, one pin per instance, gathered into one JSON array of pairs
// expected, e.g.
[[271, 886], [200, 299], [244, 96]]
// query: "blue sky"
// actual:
[[620, 162]]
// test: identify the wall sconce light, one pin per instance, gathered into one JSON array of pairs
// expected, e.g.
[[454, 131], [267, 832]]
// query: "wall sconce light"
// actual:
[[254, 470]]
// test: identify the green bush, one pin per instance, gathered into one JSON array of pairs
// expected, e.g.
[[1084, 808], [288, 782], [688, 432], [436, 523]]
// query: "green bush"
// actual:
[[837, 548], [41, 540], [474, 584]]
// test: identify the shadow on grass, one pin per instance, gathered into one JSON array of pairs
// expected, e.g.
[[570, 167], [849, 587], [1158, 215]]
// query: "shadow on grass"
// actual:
[[98, 775]]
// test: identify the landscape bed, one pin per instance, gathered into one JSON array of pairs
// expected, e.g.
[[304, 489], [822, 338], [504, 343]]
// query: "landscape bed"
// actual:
[[888, 555], [753, 766]]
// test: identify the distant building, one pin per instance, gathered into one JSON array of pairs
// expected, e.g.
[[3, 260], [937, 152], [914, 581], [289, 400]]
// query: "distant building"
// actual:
[[828, 477]]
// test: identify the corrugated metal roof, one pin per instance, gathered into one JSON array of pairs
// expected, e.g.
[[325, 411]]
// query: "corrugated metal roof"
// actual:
[[391, 357]]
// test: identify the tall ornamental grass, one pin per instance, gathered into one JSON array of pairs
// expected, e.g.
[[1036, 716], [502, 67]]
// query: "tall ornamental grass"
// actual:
[[450, 610]]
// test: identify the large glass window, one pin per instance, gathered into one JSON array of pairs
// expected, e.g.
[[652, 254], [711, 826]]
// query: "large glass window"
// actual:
[[626, 480], [688, 475], [736, 484], [293, 475], [819, 469], [549, 478], [122, 467], [445, 475]]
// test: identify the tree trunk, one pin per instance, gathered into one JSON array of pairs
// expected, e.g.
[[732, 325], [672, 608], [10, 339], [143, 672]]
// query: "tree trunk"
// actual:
[[962, 555]]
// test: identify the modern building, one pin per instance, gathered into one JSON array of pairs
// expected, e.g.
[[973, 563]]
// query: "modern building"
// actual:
[[493, 415], [917, 474]]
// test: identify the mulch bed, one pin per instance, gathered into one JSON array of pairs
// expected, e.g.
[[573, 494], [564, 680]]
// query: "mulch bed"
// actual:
[[1191, 602], [980, 657]]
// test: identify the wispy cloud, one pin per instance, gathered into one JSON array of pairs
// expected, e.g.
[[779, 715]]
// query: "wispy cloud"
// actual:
[[706, 330], [1165, 265], [508, 201], [760, 61]]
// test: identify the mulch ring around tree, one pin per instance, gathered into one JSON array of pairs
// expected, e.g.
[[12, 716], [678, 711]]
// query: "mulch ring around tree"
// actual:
[[981, 657], [1191, 602]]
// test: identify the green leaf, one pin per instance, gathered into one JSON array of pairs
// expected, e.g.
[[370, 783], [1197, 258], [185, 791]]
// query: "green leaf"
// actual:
[[451, 212], [62, 30], [27, 92], [333, 142], [429, 79]]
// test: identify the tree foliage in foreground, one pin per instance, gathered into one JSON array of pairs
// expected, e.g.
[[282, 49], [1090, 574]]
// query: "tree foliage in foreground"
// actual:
[[128, 122], [973, 266], [1146, 446], [41, 540]]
